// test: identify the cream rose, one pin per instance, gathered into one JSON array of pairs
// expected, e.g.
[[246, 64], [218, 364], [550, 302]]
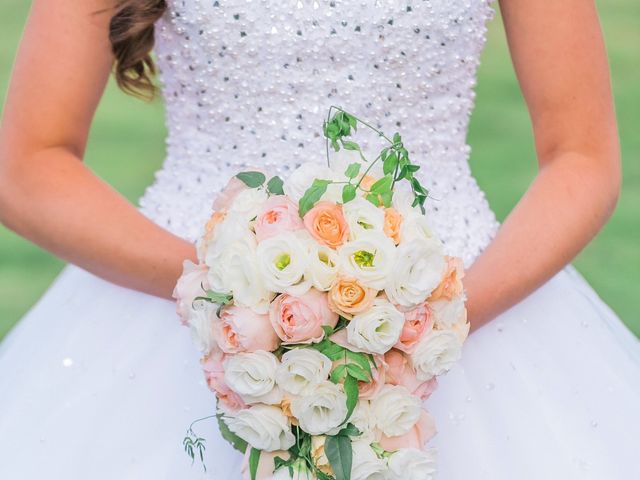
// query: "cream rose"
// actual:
[[263, 427], [282, 262], [322, 267], [419, 265], [370, 259], [362, 216], [376, 330], [253, 377], [415, 226], [248, 203], [436, 353], [366, 464], [396, 411], [302, 178], [412, 464], [347, 297], [301, 370], [240, 329], [200, 321], [323, 410], [299, 319]]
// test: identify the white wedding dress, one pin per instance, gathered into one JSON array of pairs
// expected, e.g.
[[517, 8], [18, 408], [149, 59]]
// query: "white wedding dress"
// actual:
[[100, 382]]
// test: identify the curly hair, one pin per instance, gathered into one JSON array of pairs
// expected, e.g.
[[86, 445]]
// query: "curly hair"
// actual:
[[131, 32]]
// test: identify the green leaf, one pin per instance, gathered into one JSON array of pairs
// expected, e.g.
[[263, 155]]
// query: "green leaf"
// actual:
[[254, 460], [338, 373], [390, 163], [361, 359], [328, 330], [352, 170], [340, 454], [396, 138], [252, 179], [358, 373], [383, 185], [312, 196], [349, 145], [387, 198], [352, 121], [348, 193], [373, 198], [237, 443], [351, 389], [274, 186], [350, 430], [220, 298]]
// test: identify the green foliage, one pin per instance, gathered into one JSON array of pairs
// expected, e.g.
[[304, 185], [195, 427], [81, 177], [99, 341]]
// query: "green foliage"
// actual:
[[237, 443], [254, 460], [274, 186], [252, 179], [338, 450], [312, 196]]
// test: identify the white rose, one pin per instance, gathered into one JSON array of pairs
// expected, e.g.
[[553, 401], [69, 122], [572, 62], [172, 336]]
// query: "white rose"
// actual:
[[233, 269], [415, 226], [301, 370], [366, 464], [435, 354], [200, 321], [396, 411], [299, 471], [362, 417], [323, 410], [418, 268], [362, 216], [376, 330], [369, 259], [263, 427], [403, 199], [282, 262], [252, 375], [302, 178], [322, 267], [412, 464], [248, 203]]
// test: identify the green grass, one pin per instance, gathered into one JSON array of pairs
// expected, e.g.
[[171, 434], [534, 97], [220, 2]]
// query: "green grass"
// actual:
[[127, 145]]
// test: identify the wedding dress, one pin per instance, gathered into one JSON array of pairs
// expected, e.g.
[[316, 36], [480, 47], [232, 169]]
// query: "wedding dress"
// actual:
[[101, 382]]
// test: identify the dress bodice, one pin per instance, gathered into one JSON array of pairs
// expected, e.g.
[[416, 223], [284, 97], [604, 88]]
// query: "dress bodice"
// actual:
[[248, 83]]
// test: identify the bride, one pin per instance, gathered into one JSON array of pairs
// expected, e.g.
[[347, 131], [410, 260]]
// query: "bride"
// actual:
[[100, 381]]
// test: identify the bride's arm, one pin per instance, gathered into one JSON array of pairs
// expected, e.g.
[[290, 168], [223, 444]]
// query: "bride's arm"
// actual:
[[560, 60], [46, 193]]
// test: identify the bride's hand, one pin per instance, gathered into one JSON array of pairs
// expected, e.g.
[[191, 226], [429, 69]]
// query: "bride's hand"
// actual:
[[561, 63], [46, 193]]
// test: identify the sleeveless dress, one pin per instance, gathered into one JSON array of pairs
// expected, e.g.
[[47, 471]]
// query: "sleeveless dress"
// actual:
[[101, 382]]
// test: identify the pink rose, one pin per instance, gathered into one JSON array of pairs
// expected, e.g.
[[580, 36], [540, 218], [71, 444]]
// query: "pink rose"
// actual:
[[240, 329], [368, 390], [266, 464], [214, 375], [423, 431], [417, 322], [300, 319], [400, 372], [228, 194], [193, 283], [279, 215]]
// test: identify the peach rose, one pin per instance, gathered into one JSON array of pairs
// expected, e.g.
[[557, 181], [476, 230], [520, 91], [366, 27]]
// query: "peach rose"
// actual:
[[367, 182], [451, 284], [417, 322], [214, 375], [279, 215], [347, 297], [228, 194], [423, 431], [398, 371], [240, 329], [326, 224], [392, 224], [266, 464], [300, 319], [193, 283]]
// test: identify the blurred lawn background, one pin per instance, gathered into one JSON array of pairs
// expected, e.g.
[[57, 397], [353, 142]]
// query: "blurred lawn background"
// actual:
[[127, 146]]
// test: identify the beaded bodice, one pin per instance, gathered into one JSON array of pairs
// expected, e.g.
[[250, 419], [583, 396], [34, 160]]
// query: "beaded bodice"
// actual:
[[248, 83]]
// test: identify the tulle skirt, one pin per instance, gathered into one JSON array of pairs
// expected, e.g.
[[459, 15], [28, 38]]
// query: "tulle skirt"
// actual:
[[100, 382]]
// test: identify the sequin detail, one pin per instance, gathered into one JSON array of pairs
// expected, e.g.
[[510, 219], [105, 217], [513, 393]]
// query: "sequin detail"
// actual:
[[248, 83]]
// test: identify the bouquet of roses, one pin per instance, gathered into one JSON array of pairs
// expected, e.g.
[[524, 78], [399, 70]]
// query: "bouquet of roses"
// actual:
[[325, 310]]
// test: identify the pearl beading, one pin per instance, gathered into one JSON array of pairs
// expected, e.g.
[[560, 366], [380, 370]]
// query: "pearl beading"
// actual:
[[248, 83]]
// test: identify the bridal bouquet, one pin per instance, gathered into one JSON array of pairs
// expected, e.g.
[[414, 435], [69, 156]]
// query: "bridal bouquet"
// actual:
[[325, 310]]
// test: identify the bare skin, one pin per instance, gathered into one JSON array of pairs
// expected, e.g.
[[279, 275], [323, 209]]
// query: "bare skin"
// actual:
[[50, 197]]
